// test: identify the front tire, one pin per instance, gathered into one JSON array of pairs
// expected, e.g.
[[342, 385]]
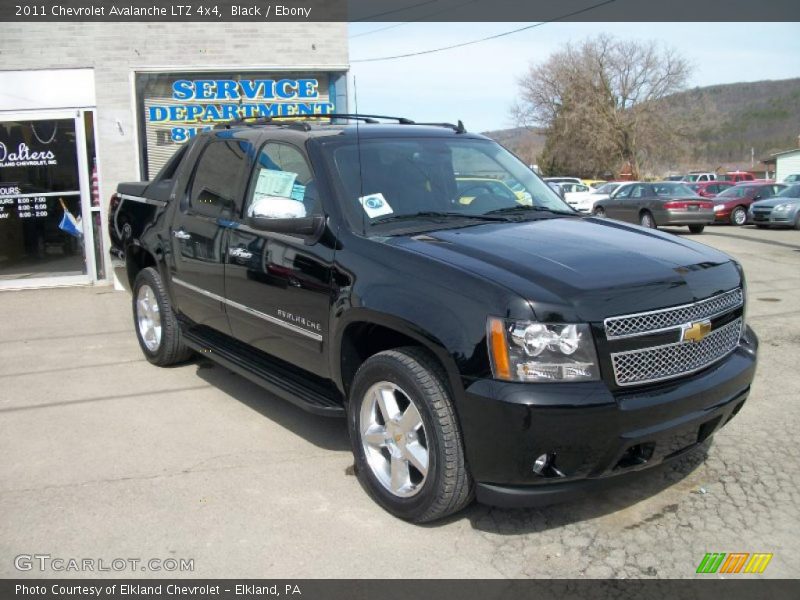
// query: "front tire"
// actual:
[[738, 216], [696, 228], [600, 212], [157, 328], [406, 438]]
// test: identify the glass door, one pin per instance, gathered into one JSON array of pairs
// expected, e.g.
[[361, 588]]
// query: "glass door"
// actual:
[[46, 233]]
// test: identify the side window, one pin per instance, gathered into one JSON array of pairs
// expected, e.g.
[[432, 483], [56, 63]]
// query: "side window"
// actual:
[[624, 192], [639, 191], [216, 178], [282, 185]]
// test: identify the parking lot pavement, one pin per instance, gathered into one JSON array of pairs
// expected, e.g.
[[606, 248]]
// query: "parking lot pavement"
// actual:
[[105, 456]]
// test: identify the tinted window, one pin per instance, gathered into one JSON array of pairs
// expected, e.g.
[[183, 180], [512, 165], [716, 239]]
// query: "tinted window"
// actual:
[[624, 192], [216, 178], [282, 185]]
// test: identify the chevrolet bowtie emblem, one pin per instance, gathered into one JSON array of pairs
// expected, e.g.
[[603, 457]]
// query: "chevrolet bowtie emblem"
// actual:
[[696, 332]]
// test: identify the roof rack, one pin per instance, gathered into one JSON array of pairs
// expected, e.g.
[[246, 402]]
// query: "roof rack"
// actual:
[[300, 121]]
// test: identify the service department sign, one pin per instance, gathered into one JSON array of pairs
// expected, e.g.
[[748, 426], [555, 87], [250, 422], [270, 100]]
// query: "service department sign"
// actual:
[[174, 107]]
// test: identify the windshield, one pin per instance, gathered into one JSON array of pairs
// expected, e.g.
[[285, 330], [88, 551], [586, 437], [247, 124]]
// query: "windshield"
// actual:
[[737, 191], [435, 179], [793, 191], [666, 188], [606, 188]]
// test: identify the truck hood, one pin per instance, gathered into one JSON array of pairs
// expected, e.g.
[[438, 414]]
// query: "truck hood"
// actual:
[[582, 269]]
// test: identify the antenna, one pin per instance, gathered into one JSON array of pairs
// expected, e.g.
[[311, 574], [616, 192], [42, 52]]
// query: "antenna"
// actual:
[[360, 172]]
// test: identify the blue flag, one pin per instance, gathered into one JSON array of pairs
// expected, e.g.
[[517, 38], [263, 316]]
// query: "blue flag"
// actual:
[[69, 223]]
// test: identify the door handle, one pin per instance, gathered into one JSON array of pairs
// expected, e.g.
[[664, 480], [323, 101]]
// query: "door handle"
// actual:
[[240, 253], [181, 234]]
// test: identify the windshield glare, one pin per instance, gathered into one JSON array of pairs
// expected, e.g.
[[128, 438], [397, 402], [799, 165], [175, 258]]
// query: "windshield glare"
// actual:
[[737, 191], [672, 189], [793, 191], [400, 177]]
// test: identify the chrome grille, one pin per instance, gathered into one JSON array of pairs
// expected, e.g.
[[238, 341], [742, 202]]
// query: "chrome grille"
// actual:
[[666, 318], [672, 360]]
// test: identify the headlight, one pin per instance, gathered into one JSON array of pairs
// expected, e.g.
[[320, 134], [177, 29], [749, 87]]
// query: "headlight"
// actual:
[[718, 207], [529, 351], [781, 207]]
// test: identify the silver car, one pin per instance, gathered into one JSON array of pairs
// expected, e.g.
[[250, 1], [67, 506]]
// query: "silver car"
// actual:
[[656, 204], [782, 210]]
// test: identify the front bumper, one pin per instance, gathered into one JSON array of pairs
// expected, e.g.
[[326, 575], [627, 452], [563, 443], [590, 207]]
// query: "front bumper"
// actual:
[[772, 217], [594, 434]]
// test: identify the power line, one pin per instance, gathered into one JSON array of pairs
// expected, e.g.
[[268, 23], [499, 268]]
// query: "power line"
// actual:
[[422, 18], [485, 39], [396, 10]]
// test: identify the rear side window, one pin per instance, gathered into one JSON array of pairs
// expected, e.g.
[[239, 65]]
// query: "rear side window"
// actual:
[[217, 178]]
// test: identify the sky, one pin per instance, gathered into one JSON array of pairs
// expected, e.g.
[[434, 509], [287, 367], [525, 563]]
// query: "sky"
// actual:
[[478, 83]]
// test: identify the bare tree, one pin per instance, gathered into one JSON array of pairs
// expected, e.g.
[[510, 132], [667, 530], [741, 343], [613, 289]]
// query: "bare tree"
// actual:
[[599, 102]]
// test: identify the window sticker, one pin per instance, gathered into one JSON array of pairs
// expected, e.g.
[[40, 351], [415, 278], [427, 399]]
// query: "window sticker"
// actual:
[[298, 192], [275, 183], [375, 205]]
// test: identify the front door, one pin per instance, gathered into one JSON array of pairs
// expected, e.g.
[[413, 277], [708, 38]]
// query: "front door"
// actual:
[[46, 235], [277, 287], [198, 233]]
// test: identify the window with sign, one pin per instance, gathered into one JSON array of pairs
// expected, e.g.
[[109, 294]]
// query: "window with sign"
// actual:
[[282, 185]]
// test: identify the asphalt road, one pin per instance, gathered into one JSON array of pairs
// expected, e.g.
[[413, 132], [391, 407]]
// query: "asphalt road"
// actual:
[[105, 456]]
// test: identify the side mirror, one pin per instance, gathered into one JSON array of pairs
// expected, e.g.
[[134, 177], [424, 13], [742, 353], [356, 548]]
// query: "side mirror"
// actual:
[[310, 228]]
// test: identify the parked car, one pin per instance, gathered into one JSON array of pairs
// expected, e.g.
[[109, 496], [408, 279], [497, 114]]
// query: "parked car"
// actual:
[[562, 179], [730, 206], [601, 193], [693, 176], [655, 204], [737, 176], [709, 189], [593, 183], [793, 178], [782, 210], [578, 196], [673, 178], [490, 350]]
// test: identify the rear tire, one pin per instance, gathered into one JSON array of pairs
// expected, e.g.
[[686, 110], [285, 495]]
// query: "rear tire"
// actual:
[[738, 216], [157, 328], [406, 438], [646, 220], [696, 228]]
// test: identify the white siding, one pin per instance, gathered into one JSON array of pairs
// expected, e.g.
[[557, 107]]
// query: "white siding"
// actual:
[[787, 164]]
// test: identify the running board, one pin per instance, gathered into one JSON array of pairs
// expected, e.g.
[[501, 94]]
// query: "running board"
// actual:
[[302, 389]]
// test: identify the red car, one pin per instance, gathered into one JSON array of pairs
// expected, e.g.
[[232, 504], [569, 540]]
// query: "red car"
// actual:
[[731, 205], [709, 189], [738, 176]]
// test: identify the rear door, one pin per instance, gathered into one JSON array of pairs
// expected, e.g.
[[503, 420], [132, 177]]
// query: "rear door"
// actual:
[[198, 233], [278, 288]]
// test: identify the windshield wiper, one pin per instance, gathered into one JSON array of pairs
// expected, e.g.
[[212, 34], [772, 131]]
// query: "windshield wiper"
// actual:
[[440, 214], [521, 208]]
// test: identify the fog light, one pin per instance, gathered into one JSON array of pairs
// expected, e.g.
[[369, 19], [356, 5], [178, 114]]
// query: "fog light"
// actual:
[[541, 463]]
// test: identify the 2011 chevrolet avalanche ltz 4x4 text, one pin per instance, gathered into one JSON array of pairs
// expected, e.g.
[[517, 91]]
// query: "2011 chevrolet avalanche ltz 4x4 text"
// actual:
[[482, 340]]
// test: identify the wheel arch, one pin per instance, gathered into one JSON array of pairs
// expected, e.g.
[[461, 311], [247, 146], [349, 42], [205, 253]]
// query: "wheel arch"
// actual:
[[365, 333]]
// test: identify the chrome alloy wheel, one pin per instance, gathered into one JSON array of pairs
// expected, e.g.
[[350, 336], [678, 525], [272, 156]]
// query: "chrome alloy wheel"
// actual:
[[394, 439], [148, 317]]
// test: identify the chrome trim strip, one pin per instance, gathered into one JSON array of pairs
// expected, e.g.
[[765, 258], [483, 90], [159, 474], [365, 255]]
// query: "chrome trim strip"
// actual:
[[252, 311], [667, 310], [142, 199]]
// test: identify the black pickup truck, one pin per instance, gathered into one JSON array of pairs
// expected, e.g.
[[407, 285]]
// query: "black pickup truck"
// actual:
[[481, 337]]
